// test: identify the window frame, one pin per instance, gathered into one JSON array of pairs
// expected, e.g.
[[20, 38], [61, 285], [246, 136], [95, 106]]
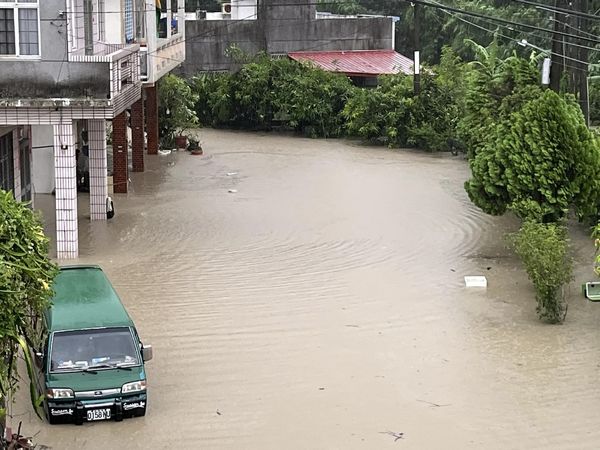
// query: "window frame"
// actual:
[[17, 5]]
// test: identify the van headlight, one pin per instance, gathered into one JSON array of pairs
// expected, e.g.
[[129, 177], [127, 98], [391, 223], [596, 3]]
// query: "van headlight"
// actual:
[[136, 386], [59, 393]]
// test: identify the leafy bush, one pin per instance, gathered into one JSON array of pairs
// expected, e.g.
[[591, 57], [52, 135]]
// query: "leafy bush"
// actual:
[[543, 248], [310, 99], [26, 275], [305, 99], [176, 107], [594, 101], [214, 104], [383, 114], [539, 163], [494, 91]]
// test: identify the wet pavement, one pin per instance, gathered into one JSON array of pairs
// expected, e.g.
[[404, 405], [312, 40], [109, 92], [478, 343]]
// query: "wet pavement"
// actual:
[[322, 306]]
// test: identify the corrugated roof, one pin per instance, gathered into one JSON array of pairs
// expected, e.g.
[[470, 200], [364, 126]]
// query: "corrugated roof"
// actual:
[[358, 62]]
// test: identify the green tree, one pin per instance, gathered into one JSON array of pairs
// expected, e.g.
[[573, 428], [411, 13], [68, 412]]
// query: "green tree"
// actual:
[[340, 6], [384, 114], [543, 248], [176, 108], [26, 276], [539, 162], [310, 99]]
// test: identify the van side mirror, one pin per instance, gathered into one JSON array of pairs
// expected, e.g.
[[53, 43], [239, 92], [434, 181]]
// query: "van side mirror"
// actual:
[[147, 353]]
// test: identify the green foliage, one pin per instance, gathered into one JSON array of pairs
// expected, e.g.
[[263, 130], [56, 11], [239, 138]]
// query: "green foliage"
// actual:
[[594, 93], [310, 99], [439, 28], [538, 162], [391, 114], [495, 88], [543, 248], [267, 90], [596, 237], [340, 6], [176, 107], [26, 275], [383, 114]]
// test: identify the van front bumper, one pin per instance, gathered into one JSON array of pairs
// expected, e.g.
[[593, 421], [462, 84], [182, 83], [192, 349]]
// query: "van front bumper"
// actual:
[[77, 411]]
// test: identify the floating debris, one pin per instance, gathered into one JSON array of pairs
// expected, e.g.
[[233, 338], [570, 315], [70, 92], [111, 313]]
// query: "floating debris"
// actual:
[[476, 281], [232, 191]]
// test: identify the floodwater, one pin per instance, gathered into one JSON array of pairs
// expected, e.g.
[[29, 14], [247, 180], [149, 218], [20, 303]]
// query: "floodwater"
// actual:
[[322, 306]]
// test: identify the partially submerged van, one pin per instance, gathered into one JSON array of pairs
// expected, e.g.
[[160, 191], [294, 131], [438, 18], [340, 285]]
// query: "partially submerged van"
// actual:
[[92, 364]]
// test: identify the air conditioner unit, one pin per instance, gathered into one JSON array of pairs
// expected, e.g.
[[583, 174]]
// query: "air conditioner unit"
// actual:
[[226, 8]]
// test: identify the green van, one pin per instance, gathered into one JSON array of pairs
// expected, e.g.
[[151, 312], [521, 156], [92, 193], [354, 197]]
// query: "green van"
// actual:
[[92, 364]]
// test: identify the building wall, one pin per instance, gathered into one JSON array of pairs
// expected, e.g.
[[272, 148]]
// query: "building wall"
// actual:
[[42, 164], [52, 76], [113, 24], [207, 40], [243, 9]]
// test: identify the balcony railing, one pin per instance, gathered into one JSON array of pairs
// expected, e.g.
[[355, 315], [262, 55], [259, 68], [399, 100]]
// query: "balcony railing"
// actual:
[[104, 52]]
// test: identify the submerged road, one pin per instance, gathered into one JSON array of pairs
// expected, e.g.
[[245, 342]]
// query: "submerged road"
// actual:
[[322, 306]]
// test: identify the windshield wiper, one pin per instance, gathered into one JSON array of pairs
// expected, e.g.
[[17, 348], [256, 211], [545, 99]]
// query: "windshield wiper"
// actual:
[[110, 366], [76, 367]]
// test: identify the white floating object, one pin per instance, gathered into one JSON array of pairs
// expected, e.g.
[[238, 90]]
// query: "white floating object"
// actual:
[[164, 152], [230, 174], [476, 281], [232, 191]]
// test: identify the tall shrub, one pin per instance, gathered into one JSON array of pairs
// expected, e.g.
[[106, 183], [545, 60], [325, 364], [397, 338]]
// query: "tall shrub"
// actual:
[[310, 99], [26, 275], [539, 163], [176, 107], [543, 248], [383, 114]]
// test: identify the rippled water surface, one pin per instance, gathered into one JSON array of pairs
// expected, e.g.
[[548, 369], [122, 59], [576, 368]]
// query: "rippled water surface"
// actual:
[[322, 306]]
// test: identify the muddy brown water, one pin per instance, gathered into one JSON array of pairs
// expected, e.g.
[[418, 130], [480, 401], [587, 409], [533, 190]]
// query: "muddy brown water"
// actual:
[[322, 306]]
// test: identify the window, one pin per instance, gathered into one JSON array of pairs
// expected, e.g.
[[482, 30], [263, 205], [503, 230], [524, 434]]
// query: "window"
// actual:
[[19, 28], [7, 164]]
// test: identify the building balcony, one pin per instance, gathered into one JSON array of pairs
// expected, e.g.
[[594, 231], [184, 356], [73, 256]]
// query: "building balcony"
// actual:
[[107, 77], [163, 48]]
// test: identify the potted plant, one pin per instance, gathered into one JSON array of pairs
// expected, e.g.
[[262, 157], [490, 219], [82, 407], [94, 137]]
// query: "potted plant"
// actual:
[[176, 109], [195, 147]]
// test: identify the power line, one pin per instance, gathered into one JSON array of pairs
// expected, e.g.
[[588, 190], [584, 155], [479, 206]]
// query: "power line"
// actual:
[[559, 10], [549, 52], [498, 19]]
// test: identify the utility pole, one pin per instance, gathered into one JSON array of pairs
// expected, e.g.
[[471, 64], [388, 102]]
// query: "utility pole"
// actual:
[[557, 57], [88, 26], [417, 46], [582, 73]]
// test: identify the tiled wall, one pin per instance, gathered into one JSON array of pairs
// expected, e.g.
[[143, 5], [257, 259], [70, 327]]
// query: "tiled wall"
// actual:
[[98, 169], [66, 192]]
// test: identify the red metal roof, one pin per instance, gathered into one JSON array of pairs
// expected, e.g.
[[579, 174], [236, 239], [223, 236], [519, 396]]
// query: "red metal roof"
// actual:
[[358, 62]]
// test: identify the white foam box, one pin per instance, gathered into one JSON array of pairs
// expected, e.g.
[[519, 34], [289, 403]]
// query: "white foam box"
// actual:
[[476, 281]]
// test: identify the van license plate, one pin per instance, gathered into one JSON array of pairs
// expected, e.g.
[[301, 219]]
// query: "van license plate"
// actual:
[[98, 414]]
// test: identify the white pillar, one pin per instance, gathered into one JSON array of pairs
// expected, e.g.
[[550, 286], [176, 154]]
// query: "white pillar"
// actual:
[[151, 37], [67, 245], [97, 166], [181, 21], [169, 17]]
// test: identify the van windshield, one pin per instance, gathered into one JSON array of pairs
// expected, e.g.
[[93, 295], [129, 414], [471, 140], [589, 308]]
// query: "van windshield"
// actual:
[[104, 348]]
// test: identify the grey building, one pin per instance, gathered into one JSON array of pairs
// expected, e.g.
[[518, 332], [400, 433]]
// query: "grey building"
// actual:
[[277, 27], [66, 68]]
